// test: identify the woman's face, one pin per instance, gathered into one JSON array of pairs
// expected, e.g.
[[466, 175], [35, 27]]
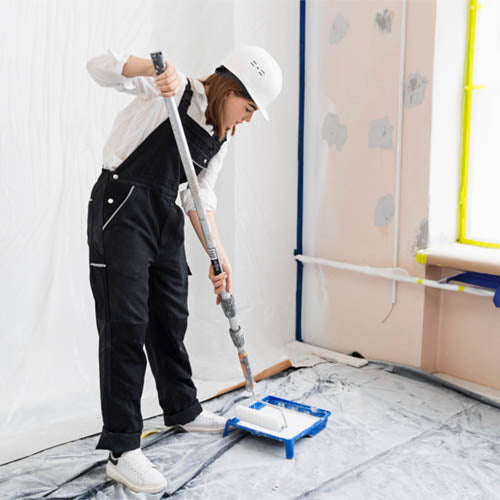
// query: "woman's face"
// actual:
[[237, 109]]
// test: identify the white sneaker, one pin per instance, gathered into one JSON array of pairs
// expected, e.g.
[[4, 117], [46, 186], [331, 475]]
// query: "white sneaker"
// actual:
[[136, 472], [206, 421]]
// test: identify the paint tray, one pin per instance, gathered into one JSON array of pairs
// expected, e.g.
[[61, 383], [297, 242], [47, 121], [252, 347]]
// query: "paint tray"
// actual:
[[311, 421]]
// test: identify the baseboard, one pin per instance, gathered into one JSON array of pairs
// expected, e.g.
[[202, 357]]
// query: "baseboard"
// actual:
[[482, 390]]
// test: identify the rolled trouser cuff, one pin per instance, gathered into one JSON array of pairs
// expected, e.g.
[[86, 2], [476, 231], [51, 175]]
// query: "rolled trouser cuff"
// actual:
[[185, 416], [119, 442]]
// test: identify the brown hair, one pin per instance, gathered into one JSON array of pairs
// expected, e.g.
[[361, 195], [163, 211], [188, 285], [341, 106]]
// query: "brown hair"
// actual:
[[219, 88]]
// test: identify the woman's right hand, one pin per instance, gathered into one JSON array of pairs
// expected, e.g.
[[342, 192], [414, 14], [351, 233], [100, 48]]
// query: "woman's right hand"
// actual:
[[221, 281], [169, 82]]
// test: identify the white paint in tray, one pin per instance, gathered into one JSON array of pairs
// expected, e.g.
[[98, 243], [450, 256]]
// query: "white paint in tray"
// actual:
[[296, 421]]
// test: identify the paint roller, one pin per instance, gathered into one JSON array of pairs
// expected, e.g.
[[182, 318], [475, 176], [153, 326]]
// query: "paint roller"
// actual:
[[273, 422]]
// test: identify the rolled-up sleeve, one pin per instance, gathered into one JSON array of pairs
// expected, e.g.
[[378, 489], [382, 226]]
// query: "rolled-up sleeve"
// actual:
[[206, 180], [106, 69]]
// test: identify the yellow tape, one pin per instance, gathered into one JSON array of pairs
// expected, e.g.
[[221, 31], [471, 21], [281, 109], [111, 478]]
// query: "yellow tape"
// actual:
[[474, 87], [483, 244], [420, 282], [464, 169], [145, 434], [461, 288], [421, 257]]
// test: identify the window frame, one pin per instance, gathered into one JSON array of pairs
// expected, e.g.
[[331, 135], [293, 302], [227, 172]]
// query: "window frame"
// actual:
[[469, 88]]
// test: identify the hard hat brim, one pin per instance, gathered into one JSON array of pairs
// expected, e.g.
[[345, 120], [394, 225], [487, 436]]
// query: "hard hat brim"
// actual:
[[264, 112]]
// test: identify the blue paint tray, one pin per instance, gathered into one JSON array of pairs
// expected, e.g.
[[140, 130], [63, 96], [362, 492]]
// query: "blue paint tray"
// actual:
[[311, 421]]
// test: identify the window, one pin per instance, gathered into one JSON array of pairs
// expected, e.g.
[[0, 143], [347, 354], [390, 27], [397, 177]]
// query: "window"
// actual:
[[479, 204]]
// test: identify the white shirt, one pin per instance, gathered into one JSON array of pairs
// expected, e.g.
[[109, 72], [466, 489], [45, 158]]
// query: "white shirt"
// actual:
[[144, 114]]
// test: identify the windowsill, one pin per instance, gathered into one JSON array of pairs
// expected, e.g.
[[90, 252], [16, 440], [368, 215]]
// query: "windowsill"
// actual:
[[462, 257]]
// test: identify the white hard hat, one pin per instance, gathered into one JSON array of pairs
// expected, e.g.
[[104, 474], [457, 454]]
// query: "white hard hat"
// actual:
[[258, 72]]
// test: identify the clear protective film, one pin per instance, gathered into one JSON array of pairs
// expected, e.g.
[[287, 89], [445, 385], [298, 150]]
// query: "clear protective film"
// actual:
[[389, 436], [55, 122], [368, 67]]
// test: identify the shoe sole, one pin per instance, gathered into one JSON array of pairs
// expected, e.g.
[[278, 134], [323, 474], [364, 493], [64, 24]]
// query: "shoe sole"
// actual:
[[113, 473]]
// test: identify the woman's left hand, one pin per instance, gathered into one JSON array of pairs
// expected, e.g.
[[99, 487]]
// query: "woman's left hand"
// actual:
[[222, 280]]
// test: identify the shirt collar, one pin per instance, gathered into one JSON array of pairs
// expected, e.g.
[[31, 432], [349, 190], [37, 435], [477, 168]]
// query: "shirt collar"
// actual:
[[202, 101], [200, 88]]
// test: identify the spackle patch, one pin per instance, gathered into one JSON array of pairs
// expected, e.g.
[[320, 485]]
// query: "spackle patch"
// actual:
[[333, 132], [384, 211], [297, 422], [415, 90], [338, 29], [422, 237], [384, 21], [380, 134]]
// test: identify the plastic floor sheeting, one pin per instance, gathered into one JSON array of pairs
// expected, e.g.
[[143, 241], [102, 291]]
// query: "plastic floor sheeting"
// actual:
[[389, 437]]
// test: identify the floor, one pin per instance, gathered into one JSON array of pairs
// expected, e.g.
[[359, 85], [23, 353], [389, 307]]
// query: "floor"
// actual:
[[389, 437]]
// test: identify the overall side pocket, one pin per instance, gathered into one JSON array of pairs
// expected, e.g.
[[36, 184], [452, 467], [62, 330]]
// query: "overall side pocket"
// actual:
[[98, 285]]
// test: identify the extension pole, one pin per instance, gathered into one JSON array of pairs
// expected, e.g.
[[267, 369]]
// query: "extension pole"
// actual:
[[227, 300]]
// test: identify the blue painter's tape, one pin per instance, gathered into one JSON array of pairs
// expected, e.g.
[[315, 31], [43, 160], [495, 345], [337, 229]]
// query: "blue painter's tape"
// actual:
[[300, 183]]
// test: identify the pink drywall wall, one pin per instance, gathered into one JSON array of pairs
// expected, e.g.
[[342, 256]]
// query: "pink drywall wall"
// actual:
[[468, 340], [438, 331]]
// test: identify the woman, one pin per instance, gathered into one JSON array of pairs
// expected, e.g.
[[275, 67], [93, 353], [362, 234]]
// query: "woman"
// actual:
[[138, 268]]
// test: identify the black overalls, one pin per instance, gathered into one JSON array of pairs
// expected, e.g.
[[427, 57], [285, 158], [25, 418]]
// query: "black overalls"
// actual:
[[139, 279]]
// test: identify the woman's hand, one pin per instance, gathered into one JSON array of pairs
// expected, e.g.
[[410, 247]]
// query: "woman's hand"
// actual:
[[218, 281], [169, 81]]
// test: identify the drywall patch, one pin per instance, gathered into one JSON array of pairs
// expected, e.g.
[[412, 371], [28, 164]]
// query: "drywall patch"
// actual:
[[384, 211], [333, 131], [380, 134], [384, 21], [338, 29], [415, 90], [421, 240]]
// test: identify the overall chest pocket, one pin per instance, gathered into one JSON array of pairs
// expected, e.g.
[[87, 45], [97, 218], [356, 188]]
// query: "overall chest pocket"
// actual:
[[200, 156], [116, 197]]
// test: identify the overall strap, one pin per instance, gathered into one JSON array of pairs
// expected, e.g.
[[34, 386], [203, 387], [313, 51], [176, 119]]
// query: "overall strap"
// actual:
[[186, 99]]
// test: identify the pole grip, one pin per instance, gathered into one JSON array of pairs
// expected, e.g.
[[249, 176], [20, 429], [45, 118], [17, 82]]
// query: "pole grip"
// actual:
[[158, 62]]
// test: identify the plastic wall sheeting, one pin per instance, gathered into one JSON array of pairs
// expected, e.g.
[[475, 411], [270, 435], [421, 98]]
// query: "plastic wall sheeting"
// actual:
[[256, 188], [55, 121], [352, 106]]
